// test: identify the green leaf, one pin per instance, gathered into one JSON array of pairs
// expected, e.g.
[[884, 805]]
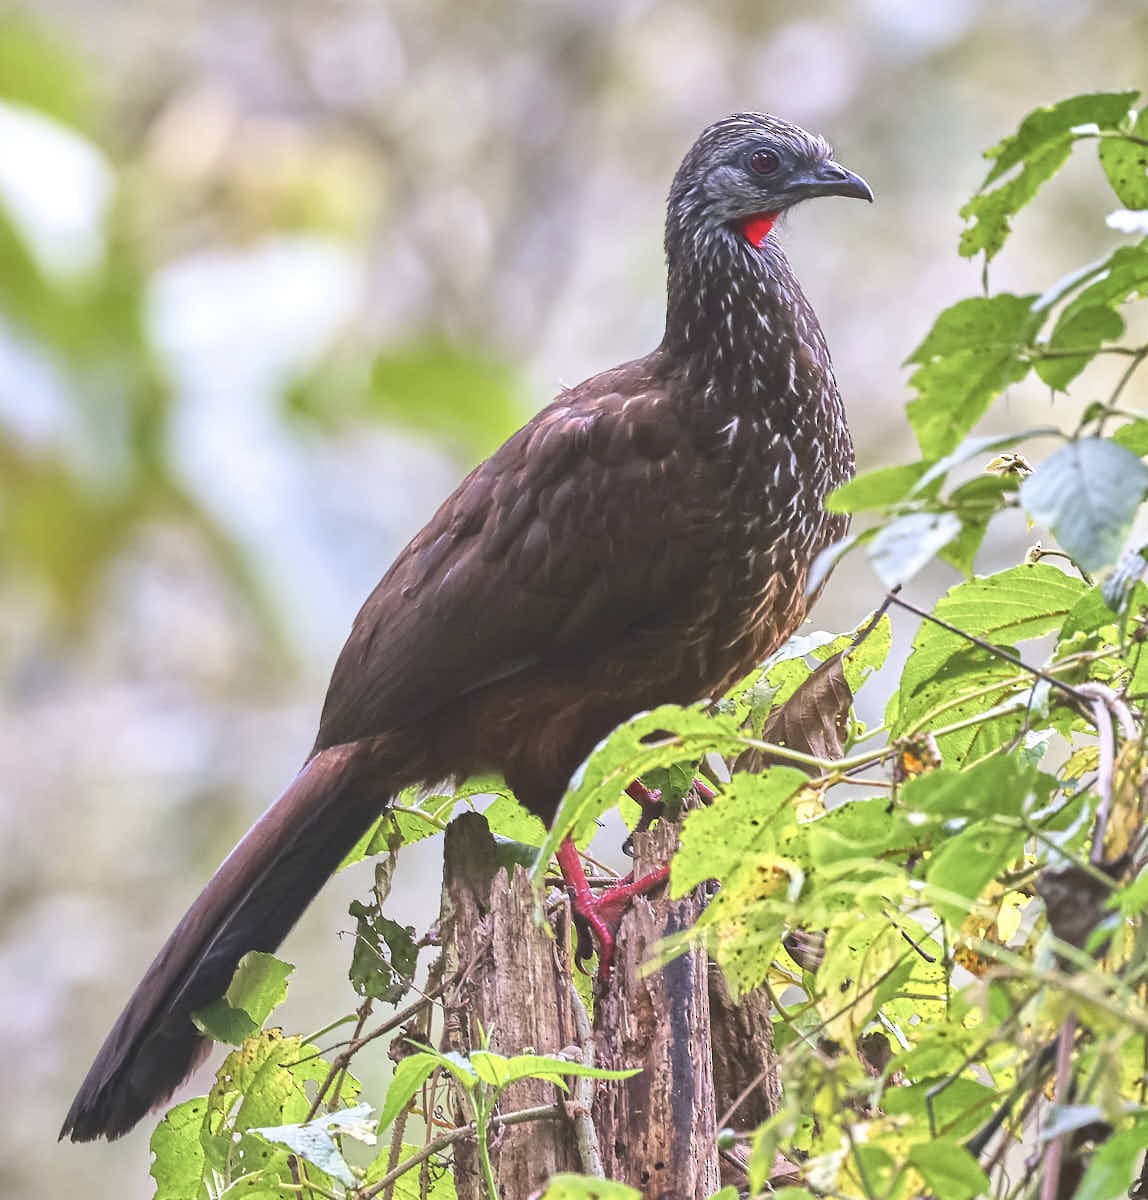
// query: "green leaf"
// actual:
[[949, 1169], [875, 489], [741, 824], [946, 669], [438, 1177], [258, 986], [1085, 329], [179, 1162], [978, 324], [411, 1073], [1039, 147], [579, 1187], [1133, 436], [959, 1106], [1124, 276], [1048, 124], [972, 353], [1126, 164], [509, 819], [975, 504], [385, 956], [1087, 493], [500, 1071], [963, 866], [459, 393], [991, 212], [655, 739], [909, 543]]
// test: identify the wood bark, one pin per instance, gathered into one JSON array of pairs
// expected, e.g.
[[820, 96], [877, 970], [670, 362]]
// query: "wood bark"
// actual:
[[699, 1054], [512, 988]]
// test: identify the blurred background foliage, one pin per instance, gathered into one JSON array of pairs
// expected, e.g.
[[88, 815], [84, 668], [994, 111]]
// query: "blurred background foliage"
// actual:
[[274, 273]]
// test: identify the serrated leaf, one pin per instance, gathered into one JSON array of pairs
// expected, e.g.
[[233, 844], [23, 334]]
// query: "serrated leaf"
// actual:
[[991, 212], [1087, 493], [1126, 164], [905, 545], [742, 823], [972, 353], [385, 955], [979, 323], [1085, 329], [1039, 147], [1106, 110], [257, 988]]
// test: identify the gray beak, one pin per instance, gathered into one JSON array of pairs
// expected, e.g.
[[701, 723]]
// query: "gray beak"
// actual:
[[829, 179]]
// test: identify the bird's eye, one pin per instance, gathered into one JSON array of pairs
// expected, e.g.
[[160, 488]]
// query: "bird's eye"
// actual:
[[764, 162]]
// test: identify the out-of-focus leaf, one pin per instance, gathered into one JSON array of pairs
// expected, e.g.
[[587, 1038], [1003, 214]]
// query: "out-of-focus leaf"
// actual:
[[1087, 493], [460, 394], [908, 543], [40, 71]]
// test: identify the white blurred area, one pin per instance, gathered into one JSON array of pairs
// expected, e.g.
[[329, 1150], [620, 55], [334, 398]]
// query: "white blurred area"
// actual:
[[496, 172]]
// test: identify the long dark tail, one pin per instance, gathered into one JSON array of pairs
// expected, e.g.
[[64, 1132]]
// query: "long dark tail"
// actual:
[[251, 902]]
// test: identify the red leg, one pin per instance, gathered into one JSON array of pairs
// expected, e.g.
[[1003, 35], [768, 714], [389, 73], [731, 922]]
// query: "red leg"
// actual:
[[600, 912]]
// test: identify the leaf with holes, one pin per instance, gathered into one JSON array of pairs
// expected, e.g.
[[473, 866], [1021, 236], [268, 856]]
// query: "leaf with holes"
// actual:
[[1125, 162]]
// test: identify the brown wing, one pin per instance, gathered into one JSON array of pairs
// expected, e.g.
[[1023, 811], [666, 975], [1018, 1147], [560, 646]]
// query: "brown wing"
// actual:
[[559, 541]]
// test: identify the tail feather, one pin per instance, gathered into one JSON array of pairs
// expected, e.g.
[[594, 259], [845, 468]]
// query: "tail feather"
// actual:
[[251, 903]]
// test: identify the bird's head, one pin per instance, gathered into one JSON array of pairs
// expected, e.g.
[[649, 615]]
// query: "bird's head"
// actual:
[[743, 172]]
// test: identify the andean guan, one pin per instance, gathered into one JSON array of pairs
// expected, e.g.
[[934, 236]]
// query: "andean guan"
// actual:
[[645, 539]]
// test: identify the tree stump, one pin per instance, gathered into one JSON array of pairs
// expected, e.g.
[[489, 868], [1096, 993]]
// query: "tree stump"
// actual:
[[697, 1051]]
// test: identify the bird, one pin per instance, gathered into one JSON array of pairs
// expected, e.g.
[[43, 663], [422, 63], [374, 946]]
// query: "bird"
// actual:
[[647, 538]]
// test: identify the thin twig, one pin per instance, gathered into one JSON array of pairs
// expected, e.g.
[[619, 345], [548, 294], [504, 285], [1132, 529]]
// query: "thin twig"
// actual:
[[996, 651]]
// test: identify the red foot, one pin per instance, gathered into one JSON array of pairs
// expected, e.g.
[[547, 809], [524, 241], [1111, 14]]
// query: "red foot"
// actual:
[[598, 914]]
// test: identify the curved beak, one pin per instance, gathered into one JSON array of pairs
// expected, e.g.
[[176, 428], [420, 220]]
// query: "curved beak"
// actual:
[[829, 178]]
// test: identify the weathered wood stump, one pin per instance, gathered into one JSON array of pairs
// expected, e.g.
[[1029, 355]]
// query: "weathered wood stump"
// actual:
[[699, 1053]]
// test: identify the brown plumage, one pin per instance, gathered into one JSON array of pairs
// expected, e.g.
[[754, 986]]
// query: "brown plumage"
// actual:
[[645, 539]]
